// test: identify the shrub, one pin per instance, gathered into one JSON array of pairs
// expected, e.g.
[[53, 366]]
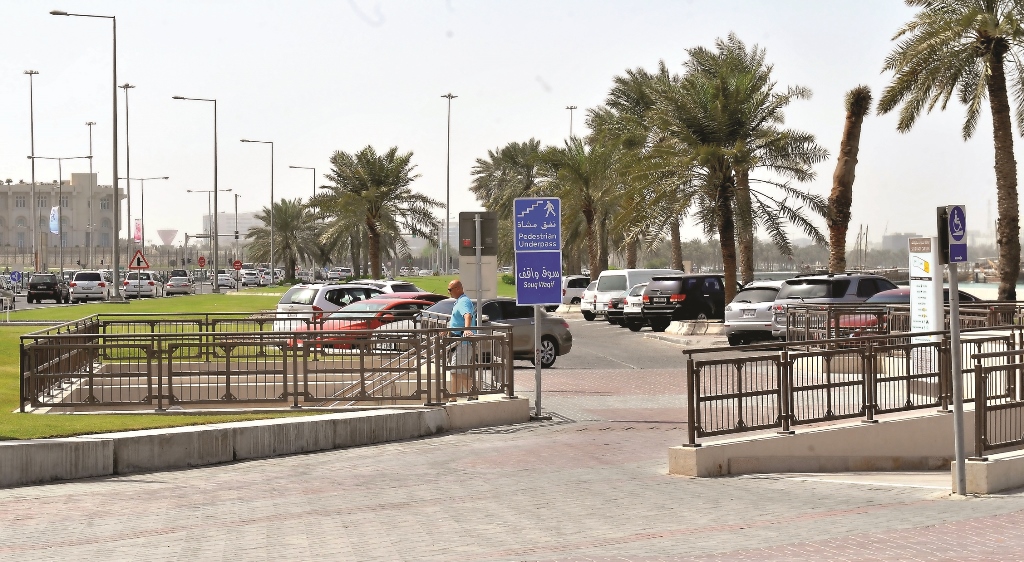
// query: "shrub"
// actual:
[[508, 278]]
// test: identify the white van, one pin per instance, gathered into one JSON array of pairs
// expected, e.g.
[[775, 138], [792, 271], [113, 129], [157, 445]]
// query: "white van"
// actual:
[[615, 283], [573, 287]]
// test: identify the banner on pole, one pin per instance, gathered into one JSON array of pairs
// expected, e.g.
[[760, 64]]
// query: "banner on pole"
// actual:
[[138, 231], [55, 220]]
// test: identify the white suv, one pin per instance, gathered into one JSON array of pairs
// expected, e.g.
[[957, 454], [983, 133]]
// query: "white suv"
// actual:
[[306, 301], [573, 287], [88, 285]]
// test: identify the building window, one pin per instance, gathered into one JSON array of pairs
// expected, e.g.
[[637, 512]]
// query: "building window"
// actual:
[[21, 239], [65, 201], [42, 201], [105, 204], [105, 239], [19, 201]]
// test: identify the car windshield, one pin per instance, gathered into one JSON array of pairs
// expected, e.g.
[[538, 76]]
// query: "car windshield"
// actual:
[[813, 289], [88, 276], [443, 307], [637, 290], [138, 277], [357, 309], [46, 278], [612, 283], [299, 295], [754, 295]]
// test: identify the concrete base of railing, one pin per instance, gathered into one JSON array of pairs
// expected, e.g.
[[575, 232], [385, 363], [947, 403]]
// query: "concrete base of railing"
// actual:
[[998, 472], [47, 460], [906, 442]]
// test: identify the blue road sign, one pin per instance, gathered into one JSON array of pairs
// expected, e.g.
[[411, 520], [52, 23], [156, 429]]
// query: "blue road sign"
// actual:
[[538, 224], [538, 278], [957, 231], [16, 276]]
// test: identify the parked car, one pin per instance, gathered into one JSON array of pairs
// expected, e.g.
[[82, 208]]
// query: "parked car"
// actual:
[[368, 314], [748, 317], [573, 287], [902, 296], [88, 285], [390, 286], [180, 273], [615, 309], [250, 278], [420, 296], [179, 286], [307, 301], [825, 289], [683, 297], [615, 283], [7, 293], [226, 281], [556, 339], [141, 284], [588, 301], [632, 310], [47, 286]]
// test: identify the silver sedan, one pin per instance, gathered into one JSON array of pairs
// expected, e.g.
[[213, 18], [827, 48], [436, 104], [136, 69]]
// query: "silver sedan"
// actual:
[[179, 286]]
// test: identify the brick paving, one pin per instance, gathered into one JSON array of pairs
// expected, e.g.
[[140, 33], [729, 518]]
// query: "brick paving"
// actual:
[[589, 485]]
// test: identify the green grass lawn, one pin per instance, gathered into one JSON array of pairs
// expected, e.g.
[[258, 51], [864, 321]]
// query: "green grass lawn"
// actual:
[[32, 426]]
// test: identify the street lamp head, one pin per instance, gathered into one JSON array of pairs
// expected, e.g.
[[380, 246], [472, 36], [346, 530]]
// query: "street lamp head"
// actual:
[[165, 178], [246, 140], [90, 123], [126, 86], [58, 13], [31, 72], [449, 96], [177, 97]]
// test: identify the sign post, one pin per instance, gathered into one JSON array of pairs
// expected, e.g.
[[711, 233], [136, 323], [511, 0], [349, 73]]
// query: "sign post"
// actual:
[[538, 246], [237, 266], [952, 226]]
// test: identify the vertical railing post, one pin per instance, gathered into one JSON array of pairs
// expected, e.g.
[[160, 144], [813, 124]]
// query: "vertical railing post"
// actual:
[[785, 384], [509, 363], [21, 377], [980, 402], [691, 403], [870, 382], [295, 372], [945, 373]]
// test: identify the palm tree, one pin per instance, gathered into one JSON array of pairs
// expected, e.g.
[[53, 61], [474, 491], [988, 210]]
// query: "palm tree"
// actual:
[[371, 194], [858, 104], [294, 235], [507, 173], [963, 47]]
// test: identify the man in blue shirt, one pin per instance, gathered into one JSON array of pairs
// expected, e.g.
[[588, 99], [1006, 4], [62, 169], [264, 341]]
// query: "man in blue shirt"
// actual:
[[463, 316]]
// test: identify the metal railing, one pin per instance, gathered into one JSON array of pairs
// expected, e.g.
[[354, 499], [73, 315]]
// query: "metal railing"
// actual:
[[235, 359], [999, 415], [778, 386]]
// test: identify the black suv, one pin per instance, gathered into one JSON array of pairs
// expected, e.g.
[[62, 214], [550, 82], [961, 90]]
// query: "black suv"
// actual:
[[48, 286], [683, 297]]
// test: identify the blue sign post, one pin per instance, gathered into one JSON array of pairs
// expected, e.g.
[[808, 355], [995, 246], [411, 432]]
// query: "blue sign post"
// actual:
[[957, 226], [537, 227], [538, 245]]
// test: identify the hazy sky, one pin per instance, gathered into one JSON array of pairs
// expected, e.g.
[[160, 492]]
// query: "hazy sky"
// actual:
[[320, 76]]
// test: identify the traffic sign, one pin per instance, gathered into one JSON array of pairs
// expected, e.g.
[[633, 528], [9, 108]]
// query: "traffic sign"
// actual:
[[16, 276], [957, 224], [538, 278], [538, 224], [139, 261], [202, 261], [237, 264]]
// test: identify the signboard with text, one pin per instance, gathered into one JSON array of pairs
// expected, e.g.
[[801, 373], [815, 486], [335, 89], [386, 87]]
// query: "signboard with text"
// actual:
[[537, 228], [926, 307]]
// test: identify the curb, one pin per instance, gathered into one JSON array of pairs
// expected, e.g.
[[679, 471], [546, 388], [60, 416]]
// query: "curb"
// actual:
[[38, 461]]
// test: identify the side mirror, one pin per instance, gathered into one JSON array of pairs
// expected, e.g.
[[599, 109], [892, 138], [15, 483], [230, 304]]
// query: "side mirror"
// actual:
[[484, 318]]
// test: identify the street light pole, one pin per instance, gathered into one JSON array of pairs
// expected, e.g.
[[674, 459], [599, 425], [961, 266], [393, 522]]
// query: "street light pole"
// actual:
[[32, 132], [128, 172], [216, 220], [209, 193], [570, 108], [448, 187], [314, 175], [237, 195], [117, 198], [142, 202], [92, 189], [273, 270]]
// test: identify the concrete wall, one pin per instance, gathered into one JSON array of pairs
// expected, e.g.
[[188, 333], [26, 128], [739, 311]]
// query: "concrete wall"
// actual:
[[921, 442], [47, 460]]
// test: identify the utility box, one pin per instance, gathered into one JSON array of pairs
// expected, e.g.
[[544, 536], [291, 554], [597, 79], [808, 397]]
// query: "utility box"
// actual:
[[485, 288], [488, 231]]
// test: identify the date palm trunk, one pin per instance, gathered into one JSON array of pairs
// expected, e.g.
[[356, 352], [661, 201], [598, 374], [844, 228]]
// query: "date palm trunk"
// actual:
[[727, 239], [744, 226], [631, 253], [858, 103], [593, 249], [373, 239], [1008, 229], [602, 256], [677, 244]]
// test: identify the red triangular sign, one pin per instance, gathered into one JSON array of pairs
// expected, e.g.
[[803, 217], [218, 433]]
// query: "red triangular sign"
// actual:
[[139, 261]]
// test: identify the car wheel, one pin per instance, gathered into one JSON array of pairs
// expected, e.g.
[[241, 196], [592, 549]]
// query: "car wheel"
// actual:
[[575, 301], [548, 351], [659, 326], [589, 316], [736, 340], [634, 326], [702, 316], [611, 320]]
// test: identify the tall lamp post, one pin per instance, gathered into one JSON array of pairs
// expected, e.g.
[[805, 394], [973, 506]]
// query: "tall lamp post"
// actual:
[[448, 187], [60, 200], [142, 203], [570, 108], [237, 195], [215, 233], [128, 172], [32, 133], [273, 264], [314, 175], [117, 198], [92, 188]]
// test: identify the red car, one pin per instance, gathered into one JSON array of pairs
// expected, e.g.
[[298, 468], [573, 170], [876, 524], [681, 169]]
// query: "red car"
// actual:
[[867, 323], [366, 314]]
